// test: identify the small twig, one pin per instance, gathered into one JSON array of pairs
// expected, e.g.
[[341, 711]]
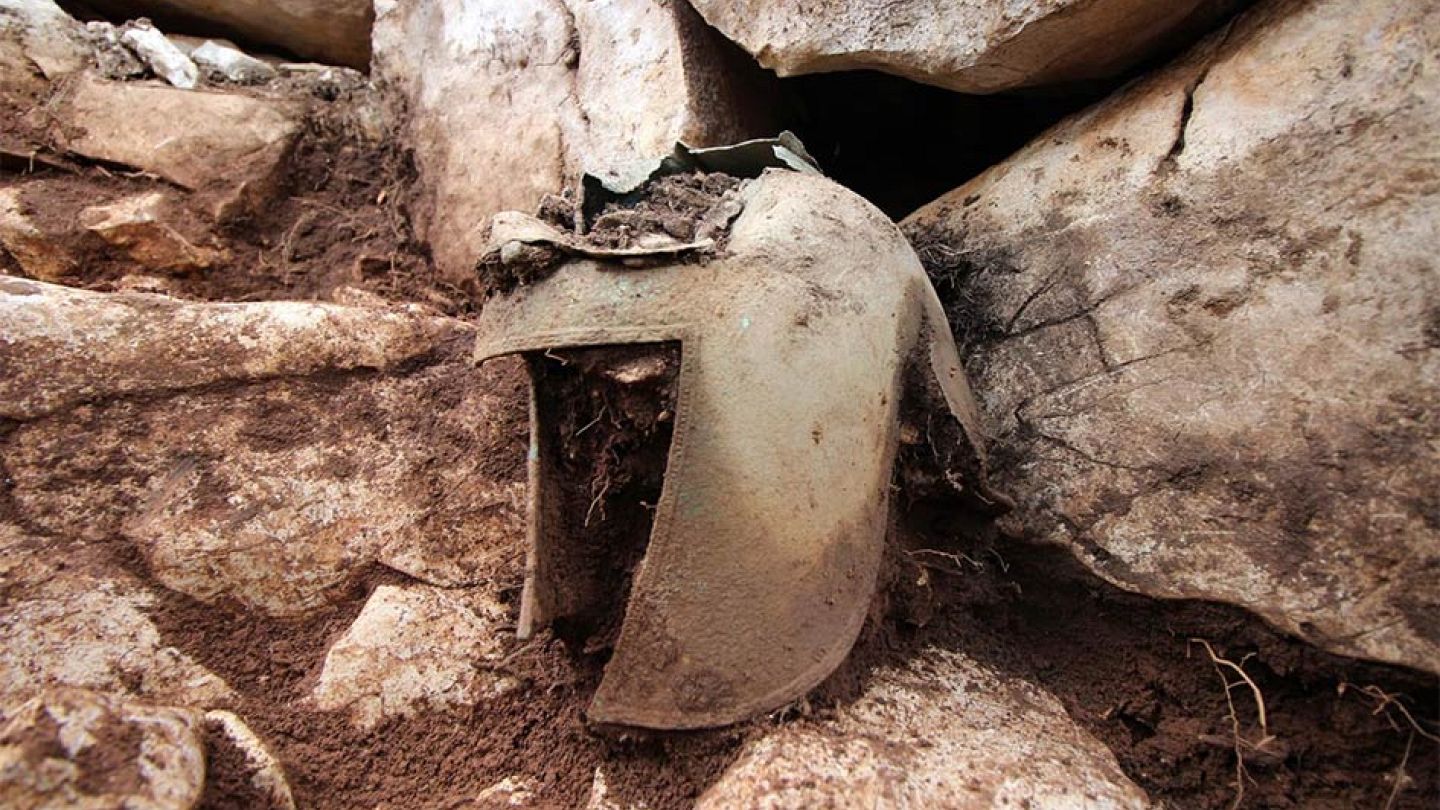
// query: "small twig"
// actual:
[[592, 422]]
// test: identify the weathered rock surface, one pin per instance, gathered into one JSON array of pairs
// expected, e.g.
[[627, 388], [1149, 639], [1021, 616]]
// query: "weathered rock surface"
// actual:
[[72, 618], [261, 453], [38, 43], [195, 139], [72, 748], [503, 109], [37, 253], [335, 32], [414, 649], [227, 63], [975, 47], [137, 227], [1202, 317], [945, 731]]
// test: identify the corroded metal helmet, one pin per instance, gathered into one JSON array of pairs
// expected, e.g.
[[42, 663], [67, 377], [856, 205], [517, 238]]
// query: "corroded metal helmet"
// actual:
[[798, 341]]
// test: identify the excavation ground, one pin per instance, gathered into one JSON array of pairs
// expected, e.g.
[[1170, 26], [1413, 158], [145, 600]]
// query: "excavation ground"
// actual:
[[1133, 671]]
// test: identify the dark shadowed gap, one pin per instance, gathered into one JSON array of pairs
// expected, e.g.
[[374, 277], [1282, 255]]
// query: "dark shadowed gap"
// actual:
[[901, 144]]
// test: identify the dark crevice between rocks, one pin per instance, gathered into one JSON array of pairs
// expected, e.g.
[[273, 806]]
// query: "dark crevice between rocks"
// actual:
[[901, 144]]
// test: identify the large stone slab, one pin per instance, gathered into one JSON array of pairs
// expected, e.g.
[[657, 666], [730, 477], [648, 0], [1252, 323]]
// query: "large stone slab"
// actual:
[[973, 47], [943, 731], [261, 453], [333, 31], [508, 101], [231, 143], [1202, 317]]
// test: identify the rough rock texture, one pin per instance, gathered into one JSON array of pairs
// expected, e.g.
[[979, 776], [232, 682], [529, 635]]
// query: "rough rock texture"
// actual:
[[261, 453], [138, 227], [333, 31], [38, 43], [161, 55], [972, 47], [944, 731], [35, 251], [503, 108], [71, 618], [1202, 317], [196, 139], [262, 769], [77, 749], [414, 649]]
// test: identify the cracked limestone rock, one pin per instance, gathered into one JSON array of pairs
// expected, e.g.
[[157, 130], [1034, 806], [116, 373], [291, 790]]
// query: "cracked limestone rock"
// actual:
[[971, 47], [71, 618], [503, 110], [943, 731], [79, 749], [1203, 318], [332, 31], [264, 453], [414, 648]]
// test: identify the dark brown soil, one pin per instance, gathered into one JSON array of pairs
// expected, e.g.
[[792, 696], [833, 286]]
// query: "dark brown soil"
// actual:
[[678, 208], [229, 776], [1132, 670], [607, 417]]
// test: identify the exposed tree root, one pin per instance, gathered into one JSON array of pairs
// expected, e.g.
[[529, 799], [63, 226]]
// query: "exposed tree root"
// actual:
[[1241, 743]]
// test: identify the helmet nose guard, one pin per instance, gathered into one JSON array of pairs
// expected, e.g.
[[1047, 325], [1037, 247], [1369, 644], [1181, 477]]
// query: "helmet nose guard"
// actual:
[[796, 342]]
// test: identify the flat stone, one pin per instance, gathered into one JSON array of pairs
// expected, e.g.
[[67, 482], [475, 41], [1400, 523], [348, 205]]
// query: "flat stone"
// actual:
[[266, 453], [414, 649], [197, 139], [136, 227], [943, 731], [1206, 325]]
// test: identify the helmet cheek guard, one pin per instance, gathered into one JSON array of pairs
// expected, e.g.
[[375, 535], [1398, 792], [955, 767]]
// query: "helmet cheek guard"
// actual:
[[797, 342]]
